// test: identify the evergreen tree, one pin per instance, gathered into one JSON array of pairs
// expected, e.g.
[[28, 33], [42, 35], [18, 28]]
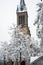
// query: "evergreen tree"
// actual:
[[39, 22]]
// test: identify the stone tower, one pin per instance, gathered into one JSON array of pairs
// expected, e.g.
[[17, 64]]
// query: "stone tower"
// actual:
[[22, 17]]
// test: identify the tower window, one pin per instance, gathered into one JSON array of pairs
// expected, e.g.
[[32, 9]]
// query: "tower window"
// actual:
[[22, 20]]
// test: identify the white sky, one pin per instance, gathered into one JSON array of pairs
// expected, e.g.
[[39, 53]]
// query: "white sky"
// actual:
[[8, 16]]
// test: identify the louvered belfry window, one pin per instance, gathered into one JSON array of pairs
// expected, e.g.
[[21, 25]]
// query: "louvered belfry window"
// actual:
[[21, 20]]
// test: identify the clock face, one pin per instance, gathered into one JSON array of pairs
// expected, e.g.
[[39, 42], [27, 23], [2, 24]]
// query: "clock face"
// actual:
[[40, 62]]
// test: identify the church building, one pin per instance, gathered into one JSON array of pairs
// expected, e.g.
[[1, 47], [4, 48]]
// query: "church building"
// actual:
[[22, 17]]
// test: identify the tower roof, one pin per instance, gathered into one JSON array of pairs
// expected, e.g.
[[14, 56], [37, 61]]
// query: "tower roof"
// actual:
[[22, 6]]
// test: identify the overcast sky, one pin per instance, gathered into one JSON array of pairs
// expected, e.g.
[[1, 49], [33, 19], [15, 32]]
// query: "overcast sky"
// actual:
[[8, 16]]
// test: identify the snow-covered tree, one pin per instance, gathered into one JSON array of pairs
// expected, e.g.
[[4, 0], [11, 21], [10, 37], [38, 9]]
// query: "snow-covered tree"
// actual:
[[21, 46], [39, 22], [3, 50], [35, 47]]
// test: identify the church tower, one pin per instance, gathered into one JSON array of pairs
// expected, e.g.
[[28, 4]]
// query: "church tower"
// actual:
[[22, 17]]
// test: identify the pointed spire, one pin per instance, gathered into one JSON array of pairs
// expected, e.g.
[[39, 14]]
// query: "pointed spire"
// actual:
[[22, 6], [22, 2]]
